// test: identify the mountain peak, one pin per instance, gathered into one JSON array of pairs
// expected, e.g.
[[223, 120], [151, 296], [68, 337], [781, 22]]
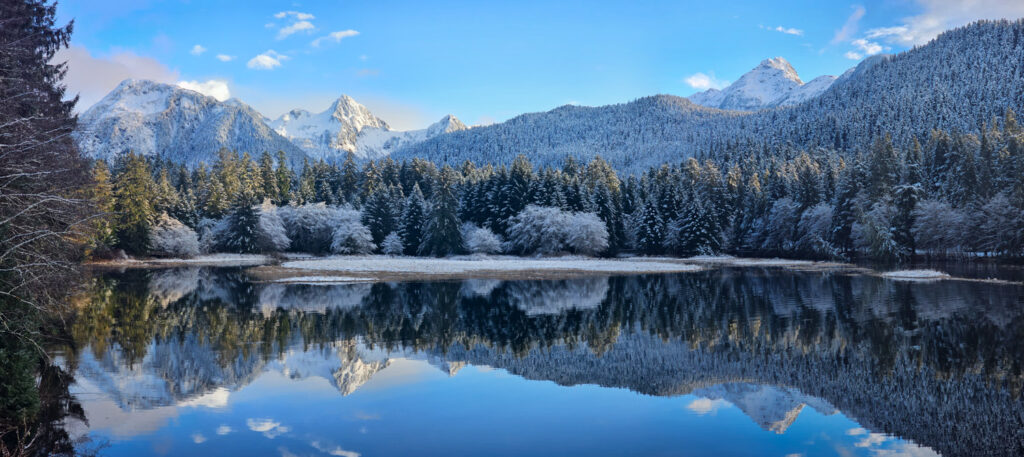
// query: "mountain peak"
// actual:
[[779, 64], [772, 83]]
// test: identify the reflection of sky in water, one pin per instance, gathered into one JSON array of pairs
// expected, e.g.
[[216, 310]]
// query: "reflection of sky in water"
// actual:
[[731, 362], [412, 407]]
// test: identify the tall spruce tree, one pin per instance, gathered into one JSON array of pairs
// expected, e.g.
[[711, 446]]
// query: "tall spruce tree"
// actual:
[[133, 204], [443, 236], [413, 220]]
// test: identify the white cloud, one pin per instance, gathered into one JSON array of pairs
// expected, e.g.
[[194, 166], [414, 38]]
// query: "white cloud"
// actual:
[[789, 31], [217, 89], [198, 438], [197, 50], [295, 27], [703, 81], [849, 28], [336, 36], [225, 57], [853, 55], [267, 61], [296, 14], [867, 47], [224, 429], [92, 77], [941, 15], [268, 427], [786, 30]]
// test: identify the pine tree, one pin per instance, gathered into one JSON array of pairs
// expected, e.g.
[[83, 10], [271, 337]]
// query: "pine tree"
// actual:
[[268, 179], [165, 196], [846, 212], [696, 231], [133, 191], [607, 210], [102, 195], [243, 224], [443, 235], [381, 212], [349, 178], [651, 230], [284, 177], [413, 220]]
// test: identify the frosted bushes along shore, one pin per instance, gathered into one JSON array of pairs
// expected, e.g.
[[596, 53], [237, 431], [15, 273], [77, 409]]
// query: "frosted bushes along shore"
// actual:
[[549, 230], [171, 238]]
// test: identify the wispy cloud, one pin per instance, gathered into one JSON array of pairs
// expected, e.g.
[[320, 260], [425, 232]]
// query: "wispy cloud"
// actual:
[[295, 27], [849, 28], [225, 57], [267, 60], [786, 30], [296, 14], [941, 15], [92, 77], [702, 81], [335, 36], [197, 50]]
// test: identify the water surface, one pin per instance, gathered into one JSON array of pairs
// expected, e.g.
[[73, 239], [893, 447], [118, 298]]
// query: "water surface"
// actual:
[[726, 361]]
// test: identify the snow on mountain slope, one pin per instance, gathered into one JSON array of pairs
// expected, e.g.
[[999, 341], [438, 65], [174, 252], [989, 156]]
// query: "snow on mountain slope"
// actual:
[[373, 143], [774, 82], [155, 119], [348, 126]]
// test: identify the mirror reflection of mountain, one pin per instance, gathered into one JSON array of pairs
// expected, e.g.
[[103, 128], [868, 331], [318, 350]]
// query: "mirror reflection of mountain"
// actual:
[[936, 363]]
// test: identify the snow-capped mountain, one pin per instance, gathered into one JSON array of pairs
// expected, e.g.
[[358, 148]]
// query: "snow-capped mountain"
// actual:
[[347, 126], [774, 82], [374, 143], [155, 119]]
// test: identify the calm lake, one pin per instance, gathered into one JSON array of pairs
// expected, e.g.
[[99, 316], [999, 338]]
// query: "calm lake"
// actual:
[[724, 361]]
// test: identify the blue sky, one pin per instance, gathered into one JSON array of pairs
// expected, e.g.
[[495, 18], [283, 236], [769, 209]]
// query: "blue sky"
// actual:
[[484, 61]]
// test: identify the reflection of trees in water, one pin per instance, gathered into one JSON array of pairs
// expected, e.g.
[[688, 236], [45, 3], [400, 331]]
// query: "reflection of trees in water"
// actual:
[[934, 362]]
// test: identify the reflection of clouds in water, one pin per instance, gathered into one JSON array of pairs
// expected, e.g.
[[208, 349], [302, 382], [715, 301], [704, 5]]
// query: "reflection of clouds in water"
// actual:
[[224, 429], [170, 285], [333, 450], [198, 438], [704, 406], [554, 297], [478, 287], [268, 427], [312, 298], [216, 399]]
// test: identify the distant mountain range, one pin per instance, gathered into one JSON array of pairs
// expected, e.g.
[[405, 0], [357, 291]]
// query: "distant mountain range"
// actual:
[[180, 125], [964, 77]]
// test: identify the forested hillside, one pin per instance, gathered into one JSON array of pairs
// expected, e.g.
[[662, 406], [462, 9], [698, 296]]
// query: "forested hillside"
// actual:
[[956, 82]]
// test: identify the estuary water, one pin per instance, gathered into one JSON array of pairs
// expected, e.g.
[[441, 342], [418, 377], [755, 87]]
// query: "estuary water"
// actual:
[[719, 362]]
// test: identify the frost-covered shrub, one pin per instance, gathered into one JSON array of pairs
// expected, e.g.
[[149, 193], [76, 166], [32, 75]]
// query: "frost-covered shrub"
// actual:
[[814, 229], [780, 227], [938, 227], [392, 244], [586, 234], [479, 240], [212, 233], [547, 230], [271, 235], [311, 227], [350, 235], [168, 237]]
